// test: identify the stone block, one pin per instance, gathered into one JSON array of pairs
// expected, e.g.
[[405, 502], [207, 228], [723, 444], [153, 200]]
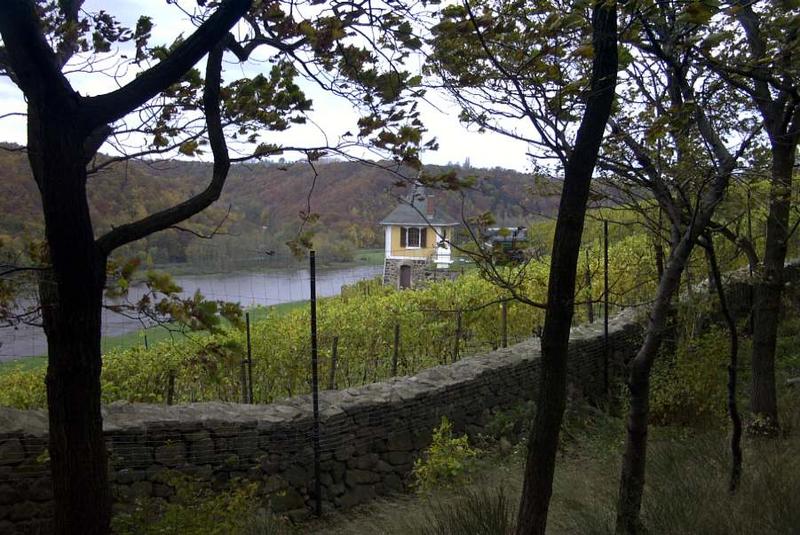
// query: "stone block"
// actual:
[[399, 458], [161, 490], [40, 490], [11, 452], [383, 467], [8, 494], [121, 493], [127, 476], [24, 511], [337, 489], [141, 489], [298, 515], [363, 462], [298, 475], [400, 441], [392, 483], [287, 500], [355, 496], [197, 436], [171, 454], [344, 452], [204, 471], [268, 466], [354, 478]]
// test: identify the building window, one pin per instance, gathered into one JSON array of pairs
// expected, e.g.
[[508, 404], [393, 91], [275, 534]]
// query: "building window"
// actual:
[[413, 237]]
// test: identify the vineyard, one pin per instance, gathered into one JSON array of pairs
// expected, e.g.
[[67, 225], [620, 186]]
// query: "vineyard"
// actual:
[[367, 334]]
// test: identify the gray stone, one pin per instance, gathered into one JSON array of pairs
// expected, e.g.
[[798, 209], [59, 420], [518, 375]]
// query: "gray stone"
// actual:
[[128, 475], [202, 451], [161, 490], [197, 436], [325, 479], [269, 467], [383, 466], [204, 471], [24, 511], [298, 515], [355, 496], [400, 441], [399, 458], [393, 483], [40, 490], [337, 489], [343, 453], [287, 500], [171, 454], [11, 452], [141, 489], [363, 462], [359, 477], [121, 493], [8, 494], [297, 474]]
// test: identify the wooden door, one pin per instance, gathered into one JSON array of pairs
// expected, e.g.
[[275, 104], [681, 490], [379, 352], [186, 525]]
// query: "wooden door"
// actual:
[[405, 276]]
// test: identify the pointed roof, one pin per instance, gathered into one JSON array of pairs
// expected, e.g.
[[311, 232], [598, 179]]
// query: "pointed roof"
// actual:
[[412, 211]]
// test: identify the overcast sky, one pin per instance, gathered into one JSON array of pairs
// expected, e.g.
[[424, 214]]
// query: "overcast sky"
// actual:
[[331, 117]]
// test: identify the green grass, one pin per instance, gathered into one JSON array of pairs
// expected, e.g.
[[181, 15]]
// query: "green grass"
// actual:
[[23, 364], [369, 256], [137, 338]]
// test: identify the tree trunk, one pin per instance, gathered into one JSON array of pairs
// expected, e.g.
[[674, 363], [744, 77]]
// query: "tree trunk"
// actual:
[[634, 459], [587, 280], [543, 444], [733, 408], [71, 308], [769, 289]]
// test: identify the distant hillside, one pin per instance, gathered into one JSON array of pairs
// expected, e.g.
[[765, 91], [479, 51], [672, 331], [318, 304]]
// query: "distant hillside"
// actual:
[[265, 201]]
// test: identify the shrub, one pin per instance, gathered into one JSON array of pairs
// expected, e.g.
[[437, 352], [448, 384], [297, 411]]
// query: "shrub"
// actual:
[[690, 388], [512, 424], [196, 509], [23, 389], [446, 461]]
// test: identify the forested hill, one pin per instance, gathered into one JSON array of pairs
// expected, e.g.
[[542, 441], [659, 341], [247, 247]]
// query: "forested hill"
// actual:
[[265, 201]]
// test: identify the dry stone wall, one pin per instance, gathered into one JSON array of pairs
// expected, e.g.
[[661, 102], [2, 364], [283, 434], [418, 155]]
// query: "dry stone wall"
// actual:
[[370, 436]]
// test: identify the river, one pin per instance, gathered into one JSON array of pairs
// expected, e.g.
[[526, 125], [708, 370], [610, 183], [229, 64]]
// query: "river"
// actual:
[[247, 289]]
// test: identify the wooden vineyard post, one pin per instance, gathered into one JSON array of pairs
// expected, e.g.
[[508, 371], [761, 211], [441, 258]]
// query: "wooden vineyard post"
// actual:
[[334, 358], [504, 323], [315, 387], [396, 352]]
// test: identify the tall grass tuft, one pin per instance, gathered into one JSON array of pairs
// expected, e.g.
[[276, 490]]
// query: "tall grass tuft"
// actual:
[[472, 511]]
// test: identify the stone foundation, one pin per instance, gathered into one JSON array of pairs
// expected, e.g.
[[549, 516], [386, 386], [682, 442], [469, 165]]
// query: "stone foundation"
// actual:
[[422, 272]]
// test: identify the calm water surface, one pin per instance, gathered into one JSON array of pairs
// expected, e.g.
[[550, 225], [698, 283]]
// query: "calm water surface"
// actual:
[[247, 289]]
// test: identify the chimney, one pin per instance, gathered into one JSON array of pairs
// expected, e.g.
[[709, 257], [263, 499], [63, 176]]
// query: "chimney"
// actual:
[[429, 207]]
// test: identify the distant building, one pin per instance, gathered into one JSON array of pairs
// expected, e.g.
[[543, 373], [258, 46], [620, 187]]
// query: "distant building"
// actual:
[[507, 244], [418, 236]]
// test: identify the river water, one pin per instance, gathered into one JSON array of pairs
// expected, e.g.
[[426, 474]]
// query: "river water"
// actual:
[[247, 289]]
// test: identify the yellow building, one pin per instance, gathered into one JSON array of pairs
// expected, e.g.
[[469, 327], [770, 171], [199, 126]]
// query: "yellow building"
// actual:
[[418, 238]]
